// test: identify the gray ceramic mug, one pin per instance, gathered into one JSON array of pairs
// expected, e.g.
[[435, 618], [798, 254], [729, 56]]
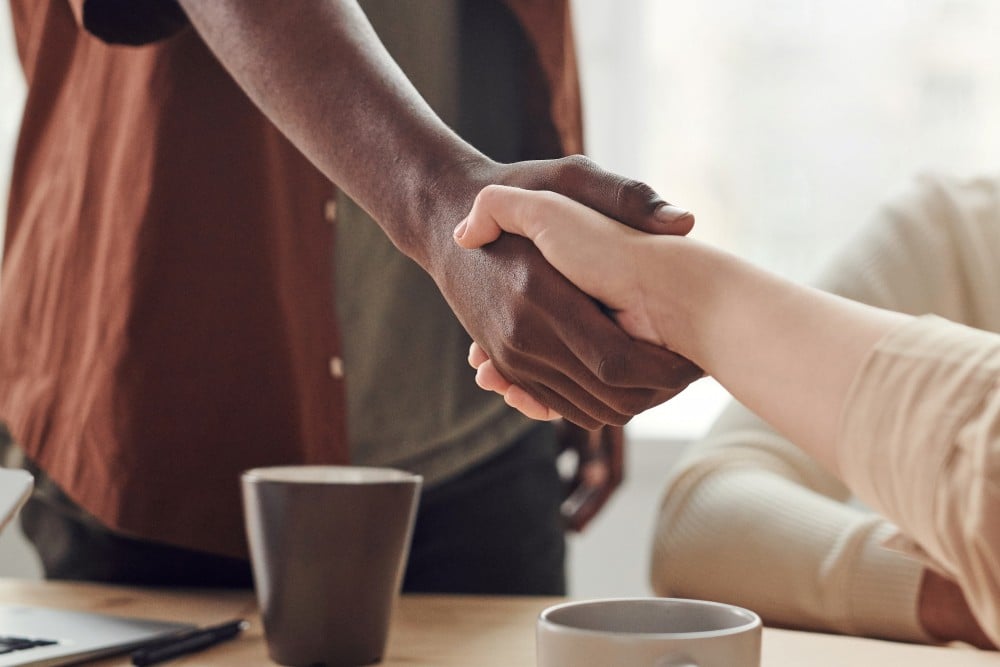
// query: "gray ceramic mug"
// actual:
[[328, 546], [648, 632]]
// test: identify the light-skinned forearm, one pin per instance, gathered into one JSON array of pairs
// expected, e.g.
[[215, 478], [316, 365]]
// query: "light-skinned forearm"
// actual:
[[788, 352]]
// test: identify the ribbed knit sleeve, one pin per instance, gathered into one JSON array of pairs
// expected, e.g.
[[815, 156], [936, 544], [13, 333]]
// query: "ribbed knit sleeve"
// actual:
[[920, 442], [748, 518], [751, 524]]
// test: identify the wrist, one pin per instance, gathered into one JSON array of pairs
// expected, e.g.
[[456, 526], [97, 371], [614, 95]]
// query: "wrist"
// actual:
[[684, 293], [421, 222]]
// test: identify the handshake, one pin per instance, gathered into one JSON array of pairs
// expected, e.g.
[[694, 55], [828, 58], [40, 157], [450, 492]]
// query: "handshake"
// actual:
[[544, 327], [606, 260]]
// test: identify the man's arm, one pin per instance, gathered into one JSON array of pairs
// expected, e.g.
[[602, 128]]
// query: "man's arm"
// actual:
[[318, 71]]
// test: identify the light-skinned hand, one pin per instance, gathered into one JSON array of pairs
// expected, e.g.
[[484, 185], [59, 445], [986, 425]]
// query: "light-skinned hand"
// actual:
[[595, 252]]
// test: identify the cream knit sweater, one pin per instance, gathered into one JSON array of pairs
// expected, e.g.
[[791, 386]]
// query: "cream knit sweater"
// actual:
[[747, 518]]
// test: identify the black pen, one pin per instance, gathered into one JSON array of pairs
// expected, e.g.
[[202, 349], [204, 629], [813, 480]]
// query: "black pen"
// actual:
[[188, 642]]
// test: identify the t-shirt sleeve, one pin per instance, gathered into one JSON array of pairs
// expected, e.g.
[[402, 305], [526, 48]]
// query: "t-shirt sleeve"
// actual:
[[920, 442], [129, 22]]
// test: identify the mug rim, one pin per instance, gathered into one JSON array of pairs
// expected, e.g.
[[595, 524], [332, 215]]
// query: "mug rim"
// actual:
[[753, 620], [322, 475]]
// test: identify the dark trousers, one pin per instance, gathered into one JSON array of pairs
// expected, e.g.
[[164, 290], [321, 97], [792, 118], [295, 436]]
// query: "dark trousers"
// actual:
[[496, 529]]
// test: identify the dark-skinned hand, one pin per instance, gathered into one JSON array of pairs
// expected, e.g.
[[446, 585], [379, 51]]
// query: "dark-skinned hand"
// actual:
[[600, 463], [541, 332]]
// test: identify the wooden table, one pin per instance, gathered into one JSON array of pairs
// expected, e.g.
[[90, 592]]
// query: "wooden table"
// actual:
[[450, 631]]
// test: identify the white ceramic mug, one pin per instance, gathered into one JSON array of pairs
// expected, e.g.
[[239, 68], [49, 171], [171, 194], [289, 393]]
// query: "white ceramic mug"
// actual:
[[648, 632]]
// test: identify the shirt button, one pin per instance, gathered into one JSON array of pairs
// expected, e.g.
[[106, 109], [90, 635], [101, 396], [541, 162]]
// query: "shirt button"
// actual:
[[336, 367], [330, 211]]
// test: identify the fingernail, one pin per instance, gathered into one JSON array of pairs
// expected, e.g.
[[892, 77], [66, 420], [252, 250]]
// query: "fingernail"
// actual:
[[670, 214], [461, 229]]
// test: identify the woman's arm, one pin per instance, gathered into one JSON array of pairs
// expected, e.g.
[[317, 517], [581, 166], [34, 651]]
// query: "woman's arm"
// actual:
[[905, 410], [786, 351], [933, 249]]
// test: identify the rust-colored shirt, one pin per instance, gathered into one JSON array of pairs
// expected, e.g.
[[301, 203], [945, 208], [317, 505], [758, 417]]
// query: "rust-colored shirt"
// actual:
[[165, 312]]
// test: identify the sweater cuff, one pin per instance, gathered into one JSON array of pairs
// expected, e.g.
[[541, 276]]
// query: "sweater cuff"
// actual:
[[884, 589]]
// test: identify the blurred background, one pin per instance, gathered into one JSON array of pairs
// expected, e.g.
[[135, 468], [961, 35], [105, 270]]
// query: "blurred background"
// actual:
[[781, 123]]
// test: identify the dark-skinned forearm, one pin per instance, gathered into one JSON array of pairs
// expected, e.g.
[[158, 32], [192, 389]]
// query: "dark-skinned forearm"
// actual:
[[319, 72]]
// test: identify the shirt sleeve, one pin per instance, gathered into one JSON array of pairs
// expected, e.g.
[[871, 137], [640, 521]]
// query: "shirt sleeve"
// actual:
[[919, 441], [129, 22], [751, 520]]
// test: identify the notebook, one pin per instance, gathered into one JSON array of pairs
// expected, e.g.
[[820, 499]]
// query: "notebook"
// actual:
[[44, 636]]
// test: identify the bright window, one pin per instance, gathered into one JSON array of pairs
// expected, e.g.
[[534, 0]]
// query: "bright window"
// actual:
[[782, 124]]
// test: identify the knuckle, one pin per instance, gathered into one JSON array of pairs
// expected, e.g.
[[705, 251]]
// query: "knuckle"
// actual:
[[521, 314], [610, 369], [584, 420], [614, 418], [683, 375], [521, 335], [519, 339], [575, 165], [613, 371], [602, 411], [631, 193], [634, 401], [578, 161], [491, 191], [522, 285], [485, 197]]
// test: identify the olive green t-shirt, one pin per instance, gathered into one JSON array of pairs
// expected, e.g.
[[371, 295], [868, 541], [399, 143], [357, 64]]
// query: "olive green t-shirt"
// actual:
[[412, 400]]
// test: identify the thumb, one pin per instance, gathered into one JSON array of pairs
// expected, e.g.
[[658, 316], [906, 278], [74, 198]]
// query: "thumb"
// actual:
[[494, 211], [585, 246]]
